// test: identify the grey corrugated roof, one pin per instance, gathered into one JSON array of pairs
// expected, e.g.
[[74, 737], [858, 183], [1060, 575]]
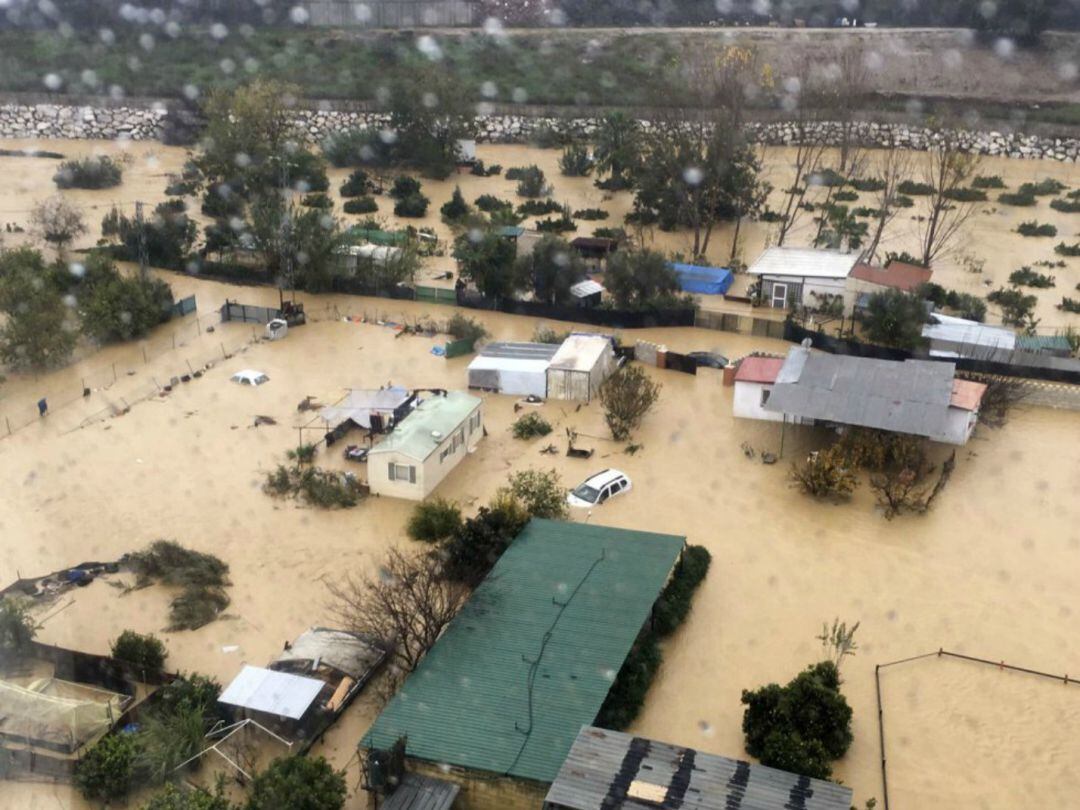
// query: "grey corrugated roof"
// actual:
[[344, 651], [418, 792], [602, 766], [520, 351], [949, 329], [908, 397]]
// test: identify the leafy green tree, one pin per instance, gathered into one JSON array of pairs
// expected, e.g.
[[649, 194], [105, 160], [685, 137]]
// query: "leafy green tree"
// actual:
[[174, 729], [541, 492], [488, 260], [167, 235], [433, 521], [552, 267], [39, 330], [455, 208], [298, 245], [471, 553], [174, 798], [145, 652], [894, 318], [1017, 307], [106, 771], [617, 149], [117, 307], [801, 727], [298, 783], [17, 627], [627, 396], [429, 113], [641, 280]]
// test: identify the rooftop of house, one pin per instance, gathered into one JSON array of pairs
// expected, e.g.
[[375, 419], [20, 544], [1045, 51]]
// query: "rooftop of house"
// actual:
[[609, 770], [950, 329], [422, 431], [912, 396], [531, 656], [897, 275], [580, 352], [759, 369], [803, 263]]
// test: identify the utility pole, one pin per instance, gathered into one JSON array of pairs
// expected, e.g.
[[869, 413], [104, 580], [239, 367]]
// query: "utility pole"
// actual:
[[284, 253], [142, 239]]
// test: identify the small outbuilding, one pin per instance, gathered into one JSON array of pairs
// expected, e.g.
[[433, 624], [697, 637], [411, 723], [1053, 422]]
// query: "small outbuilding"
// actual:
[[949, 336], [580, 366], [587, 293], [803, 277], [423, 448], [517, 369], [754, 380], [369, 409], [703, 280], [609, 770], [594, 249]]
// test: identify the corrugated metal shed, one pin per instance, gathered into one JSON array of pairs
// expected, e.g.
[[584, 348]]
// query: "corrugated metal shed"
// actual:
[[581, 352], [583, 289], [418, 792], [1044, 343], [532, 655], [960, 333], [520, 351], [264, 690], [908, 397], [424, 429], [608, 770], [344, 651], [803, 262]]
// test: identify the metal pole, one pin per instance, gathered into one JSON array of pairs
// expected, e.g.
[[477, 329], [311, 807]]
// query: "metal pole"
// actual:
[[783, 424], [881, 736], [144, 354], [114, 372]]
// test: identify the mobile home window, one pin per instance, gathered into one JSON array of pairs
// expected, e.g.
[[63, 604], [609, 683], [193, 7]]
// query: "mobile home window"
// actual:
[[402, 472]]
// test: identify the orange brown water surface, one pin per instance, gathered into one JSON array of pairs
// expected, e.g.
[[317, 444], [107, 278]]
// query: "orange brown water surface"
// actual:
[[990, 571]]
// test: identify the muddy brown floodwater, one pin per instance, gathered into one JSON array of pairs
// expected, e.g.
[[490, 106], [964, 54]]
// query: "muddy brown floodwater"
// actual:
[[989, 572]]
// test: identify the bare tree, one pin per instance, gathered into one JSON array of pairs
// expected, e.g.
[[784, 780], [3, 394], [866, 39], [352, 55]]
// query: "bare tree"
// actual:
[[809, 151], [838, 90], [57, 221], [405, 605], [947, 170], [893, 167]]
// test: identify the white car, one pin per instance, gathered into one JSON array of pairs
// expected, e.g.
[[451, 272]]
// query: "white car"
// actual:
[[596, 489], [250, 377]]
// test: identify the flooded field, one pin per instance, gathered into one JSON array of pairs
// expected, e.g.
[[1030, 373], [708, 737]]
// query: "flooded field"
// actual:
[[989, 572], [990, 237]]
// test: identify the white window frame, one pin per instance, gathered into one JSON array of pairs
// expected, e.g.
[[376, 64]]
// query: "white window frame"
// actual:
[[406, 473], [783, 299]]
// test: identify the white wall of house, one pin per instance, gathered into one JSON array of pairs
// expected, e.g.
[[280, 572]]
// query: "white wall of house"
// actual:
[[414, 479], [748, 401], [810, 287], [960, 424]]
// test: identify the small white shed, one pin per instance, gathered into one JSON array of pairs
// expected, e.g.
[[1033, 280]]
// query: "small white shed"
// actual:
[[517, 369], [804, 277], [580, 366]]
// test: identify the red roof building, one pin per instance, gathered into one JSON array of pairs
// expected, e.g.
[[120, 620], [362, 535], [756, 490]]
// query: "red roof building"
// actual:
[[896, 276], [759, 369]]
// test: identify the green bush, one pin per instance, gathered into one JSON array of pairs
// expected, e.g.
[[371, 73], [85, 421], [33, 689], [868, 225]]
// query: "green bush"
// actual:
[[618, 234], [549, 137], [220, 201], [1026, 277], [866, 211], [845, 196], [302, 454], [358, 184], [106, 771], [829, 178], [626, 397], [1019, 198], [472, 552], [434, 521], [965, 194], [590, 214], [478, 169], [307, 171], [174, 798], [540, 492], [575, 161], [801, 727], [318, 200], [17, 627], [673, 606], [203, 578], [145, 653], [115, 307], [531, 182], [1033, 228], [404, 186], [167, 236], [328, 489], [627, 694], [988, 181], [415, 205], [965, 305], [560, 224], [360, 205], [489, 203], [1069, 305], [298, 783], [911, 188], [1066, 206], [173, 729], [455, 208], [1043, 188], [89, 173], [1017, 308], [530, 426], [462, 327], [903, 201], [536, 208], [867, 184], [196, 606], [349, 147], [1067, 250]]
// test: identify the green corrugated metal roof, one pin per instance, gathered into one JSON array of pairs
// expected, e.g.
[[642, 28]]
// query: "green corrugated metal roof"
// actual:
[[413, 436], [1034, 343], [467, 703], [376, 237]]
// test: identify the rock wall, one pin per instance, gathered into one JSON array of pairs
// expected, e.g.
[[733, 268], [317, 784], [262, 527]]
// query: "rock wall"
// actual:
[[145, 122]]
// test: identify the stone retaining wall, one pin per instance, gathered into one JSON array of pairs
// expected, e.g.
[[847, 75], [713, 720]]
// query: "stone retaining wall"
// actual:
[[145, 123]]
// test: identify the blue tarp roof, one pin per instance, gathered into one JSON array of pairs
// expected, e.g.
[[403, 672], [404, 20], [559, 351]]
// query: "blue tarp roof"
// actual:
[[704, 280]]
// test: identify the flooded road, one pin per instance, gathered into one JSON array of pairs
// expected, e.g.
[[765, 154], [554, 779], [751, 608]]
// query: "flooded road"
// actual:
[[990, 571]]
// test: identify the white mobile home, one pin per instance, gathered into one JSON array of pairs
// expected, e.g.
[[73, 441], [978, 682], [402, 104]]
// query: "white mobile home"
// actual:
[[804, 277], [580, 366], [518, 369], [425, 446]]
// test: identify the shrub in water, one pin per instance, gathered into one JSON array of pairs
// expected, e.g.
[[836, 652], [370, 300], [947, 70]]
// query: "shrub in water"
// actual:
[[575, 161], [867, 184], [560, 224], [1018, 198], [455, 208], [357, 185], [105, 771], [965, 194], [415, 205], [1033, 228], [1026, 277], [532, 183], [537, 208], [145, 653], [673, 606], [89, 173], [489, 202], [988, 181], [404, 186], [590, 214], [1067, 250], [825, 474], [912, 189], [318, 200], [462, 327], [360, 205], [530, 426], [1066, 206], [845, 196], [434, 521], [1043, 188]]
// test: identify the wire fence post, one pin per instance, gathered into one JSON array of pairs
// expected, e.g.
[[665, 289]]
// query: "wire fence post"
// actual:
[[145, 361], [223, 355], [8, 421], [114, 372]]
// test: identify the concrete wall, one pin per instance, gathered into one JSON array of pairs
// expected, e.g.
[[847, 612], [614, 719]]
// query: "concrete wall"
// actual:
[[747, 402], [960, 424]]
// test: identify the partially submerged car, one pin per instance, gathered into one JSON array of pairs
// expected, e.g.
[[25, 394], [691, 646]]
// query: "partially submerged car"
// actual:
[[250, 377], [596, 489], [709, 359]]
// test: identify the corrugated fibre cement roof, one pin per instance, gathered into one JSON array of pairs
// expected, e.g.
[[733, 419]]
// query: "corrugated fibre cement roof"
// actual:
[[533, 653]]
